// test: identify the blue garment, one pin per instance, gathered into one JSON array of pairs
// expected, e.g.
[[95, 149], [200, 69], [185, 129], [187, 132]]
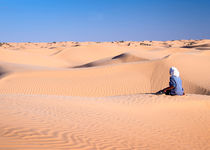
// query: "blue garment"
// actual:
[[176, 82]]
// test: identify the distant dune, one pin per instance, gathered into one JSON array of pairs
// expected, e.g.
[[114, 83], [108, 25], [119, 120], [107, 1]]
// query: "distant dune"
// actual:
[[100, 95], [122, 58]]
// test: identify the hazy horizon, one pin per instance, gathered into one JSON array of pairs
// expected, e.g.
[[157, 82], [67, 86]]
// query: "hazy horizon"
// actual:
[[109, 41]]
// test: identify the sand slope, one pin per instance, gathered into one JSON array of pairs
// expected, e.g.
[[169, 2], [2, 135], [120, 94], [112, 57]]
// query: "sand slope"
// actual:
[[99, 95], [123, 79], [122, 122]]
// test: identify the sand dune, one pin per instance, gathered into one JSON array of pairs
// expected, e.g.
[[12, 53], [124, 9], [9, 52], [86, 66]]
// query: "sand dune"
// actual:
[[121, 122], [110, 80], [122, 58], [197, 46], [19, 57], [99, 95]]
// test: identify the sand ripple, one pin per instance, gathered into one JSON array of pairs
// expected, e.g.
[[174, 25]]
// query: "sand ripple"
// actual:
[[119, 122]]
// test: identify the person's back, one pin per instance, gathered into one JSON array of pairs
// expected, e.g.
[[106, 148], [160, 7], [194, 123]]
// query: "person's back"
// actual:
[[176, 82]]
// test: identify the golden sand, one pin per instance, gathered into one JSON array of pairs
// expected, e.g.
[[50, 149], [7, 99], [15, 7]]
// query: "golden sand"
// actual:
[[99, 96]]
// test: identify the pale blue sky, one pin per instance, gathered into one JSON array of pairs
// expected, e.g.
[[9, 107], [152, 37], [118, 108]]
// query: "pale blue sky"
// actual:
[[103, 20]]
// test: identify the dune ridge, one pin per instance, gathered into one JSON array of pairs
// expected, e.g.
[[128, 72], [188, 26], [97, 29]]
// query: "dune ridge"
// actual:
[[100, 95], [122, 58], [126, 78]]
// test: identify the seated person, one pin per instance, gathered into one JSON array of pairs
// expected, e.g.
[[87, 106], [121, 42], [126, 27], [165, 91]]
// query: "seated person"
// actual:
[[175, 84]]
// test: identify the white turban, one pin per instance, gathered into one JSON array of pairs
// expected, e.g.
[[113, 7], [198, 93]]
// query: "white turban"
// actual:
[[174, 71]]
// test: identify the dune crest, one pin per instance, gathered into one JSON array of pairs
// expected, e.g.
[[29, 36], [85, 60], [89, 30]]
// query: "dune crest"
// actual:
[[100, 95], [122, 58]]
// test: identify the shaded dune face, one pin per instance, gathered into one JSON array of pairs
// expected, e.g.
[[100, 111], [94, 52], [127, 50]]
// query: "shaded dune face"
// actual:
[[122, 58], [3, 72], [198, 47], [126, 57], [106, 69]]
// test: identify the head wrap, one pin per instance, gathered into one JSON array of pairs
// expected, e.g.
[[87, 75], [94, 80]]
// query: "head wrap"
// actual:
[[174, 71]]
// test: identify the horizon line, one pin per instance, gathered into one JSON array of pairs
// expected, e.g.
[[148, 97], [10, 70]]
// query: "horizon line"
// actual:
[[113, 41]]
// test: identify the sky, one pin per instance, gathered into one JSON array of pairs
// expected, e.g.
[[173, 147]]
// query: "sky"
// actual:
[[103, 20]]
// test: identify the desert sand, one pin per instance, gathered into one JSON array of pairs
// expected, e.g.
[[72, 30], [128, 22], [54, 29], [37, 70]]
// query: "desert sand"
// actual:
[[100, 95]]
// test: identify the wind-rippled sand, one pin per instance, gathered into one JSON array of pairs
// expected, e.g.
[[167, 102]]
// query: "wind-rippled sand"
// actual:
[[87, 96]]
